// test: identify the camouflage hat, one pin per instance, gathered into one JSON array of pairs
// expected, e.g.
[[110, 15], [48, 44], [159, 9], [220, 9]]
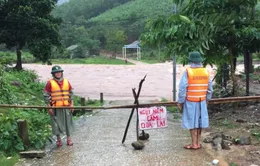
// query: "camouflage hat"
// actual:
[[195, 57], [56, 69]]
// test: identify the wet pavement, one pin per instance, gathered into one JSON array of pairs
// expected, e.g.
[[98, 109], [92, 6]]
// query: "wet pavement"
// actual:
[[97, 142], [97, 139]]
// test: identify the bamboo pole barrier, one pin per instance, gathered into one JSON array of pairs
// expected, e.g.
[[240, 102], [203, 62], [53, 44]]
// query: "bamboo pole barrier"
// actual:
[[174, 103]]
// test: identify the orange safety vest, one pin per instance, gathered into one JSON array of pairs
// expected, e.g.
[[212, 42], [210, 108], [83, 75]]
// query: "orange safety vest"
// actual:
[[198, 79], [60, 96]]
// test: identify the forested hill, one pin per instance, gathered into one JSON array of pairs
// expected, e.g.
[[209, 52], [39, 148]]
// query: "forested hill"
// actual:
[[76, 11], [107, 24], [137, 9]]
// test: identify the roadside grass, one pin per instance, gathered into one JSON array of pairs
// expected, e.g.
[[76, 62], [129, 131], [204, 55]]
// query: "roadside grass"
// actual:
[[8, 161], [255, 56], [226, 124], [10, 58], [91, 60], [233, 164], [256, 133], [172, 109]]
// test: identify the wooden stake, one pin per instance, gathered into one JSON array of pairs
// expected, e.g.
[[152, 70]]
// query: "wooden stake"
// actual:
[[23, 131], [101, 98], [83, 103], [133, 108]]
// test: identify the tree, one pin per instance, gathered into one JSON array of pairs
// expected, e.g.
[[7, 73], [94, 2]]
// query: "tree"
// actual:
[[29, 23], [115, 38], [221, 30]]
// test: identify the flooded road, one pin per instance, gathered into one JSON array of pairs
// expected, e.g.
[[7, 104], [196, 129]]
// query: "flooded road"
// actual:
[[116, 81], [97, 139]]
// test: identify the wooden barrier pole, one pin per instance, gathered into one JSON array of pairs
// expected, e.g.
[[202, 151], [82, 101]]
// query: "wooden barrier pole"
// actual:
[[212, 101]]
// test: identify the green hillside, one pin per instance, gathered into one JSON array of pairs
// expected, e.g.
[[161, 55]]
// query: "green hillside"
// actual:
[[76, 11], [96, 25], [139, 9]]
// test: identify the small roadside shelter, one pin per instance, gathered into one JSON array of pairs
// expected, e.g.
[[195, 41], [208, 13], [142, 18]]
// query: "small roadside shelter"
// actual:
[[134, 45], [72, 49]]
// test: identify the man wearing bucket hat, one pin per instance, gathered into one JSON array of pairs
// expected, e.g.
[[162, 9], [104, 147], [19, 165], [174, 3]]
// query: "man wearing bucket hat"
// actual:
[[58, 92], [195, 89]]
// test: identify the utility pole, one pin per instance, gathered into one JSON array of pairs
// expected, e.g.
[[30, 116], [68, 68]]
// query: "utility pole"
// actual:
[[174, 66]]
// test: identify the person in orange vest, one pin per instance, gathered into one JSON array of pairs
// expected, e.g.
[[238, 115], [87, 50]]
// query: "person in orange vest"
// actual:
[[58, 92], [195, 89]]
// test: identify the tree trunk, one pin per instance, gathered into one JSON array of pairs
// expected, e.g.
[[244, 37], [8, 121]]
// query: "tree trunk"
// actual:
[[114, 55], [225, 75], [250, 63], [19, 59], [159, 48], [247, 69], [232, 64]]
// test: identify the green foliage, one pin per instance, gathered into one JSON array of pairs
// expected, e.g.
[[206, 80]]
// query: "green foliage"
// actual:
[[38, 129], [256, 133], [78, 11], [157, 56], [29, 23], [78, 35], [219, 30], [208, 27], [114, 39], [91, 60], [6, 96], [252, 76], [21, 87], [233, 164], [171, 109], [10, 57], [137, 9], [8, 161], [228, 124], [106, 24]]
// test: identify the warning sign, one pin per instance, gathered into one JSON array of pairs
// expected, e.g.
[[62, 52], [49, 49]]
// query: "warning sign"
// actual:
[[152, 118]]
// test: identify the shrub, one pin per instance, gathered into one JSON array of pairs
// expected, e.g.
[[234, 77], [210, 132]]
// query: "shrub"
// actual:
[[38, 128]]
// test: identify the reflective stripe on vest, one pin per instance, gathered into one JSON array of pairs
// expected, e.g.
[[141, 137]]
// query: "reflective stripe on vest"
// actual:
[[60, 96], [198, 79]]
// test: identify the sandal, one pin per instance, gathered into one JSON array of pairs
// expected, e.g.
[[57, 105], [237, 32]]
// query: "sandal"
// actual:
[[191, 147], [69, 142], [59, 143]]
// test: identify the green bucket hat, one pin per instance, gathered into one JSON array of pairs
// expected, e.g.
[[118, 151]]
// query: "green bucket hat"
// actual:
[[56, 69], [195, 57]]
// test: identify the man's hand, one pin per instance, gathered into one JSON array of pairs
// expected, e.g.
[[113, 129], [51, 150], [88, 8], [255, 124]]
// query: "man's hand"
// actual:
[[50, 112], [180, 106]]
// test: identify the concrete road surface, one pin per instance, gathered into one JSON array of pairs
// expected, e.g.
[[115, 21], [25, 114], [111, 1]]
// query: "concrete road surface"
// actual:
[[97, 142]]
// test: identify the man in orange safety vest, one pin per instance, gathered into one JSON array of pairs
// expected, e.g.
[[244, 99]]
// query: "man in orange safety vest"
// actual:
[[195, 89], [58, 92]]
